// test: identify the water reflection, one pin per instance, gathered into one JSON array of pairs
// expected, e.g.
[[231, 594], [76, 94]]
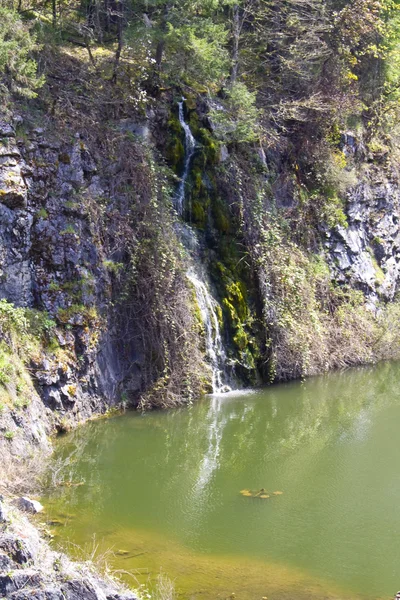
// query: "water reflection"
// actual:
[[328, 444]]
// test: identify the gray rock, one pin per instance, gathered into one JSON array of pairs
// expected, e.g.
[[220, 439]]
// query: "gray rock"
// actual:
[[3, 513], [15, 548], [45, 594], [52, 399], [26, 504], [17, 580], [79, 590], [6, 129], [141, 129], [9, 149], [6, 564], [127, 596], [223, 153]]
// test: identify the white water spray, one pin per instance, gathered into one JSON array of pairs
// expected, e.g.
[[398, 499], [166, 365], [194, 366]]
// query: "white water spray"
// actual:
[[190, 146], [207, 304], [214, 346]]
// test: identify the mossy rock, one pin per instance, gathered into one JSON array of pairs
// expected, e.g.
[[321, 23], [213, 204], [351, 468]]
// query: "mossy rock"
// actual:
[[199, 214], [210, 146], [175, 155], [221, 216], [175, 151]]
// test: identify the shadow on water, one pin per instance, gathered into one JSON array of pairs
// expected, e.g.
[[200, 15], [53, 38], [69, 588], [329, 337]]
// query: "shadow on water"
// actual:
[[164, 488]]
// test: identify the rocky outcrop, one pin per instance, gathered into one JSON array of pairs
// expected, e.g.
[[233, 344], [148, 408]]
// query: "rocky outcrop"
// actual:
[[56, 218], [366, 254], [30, 570]]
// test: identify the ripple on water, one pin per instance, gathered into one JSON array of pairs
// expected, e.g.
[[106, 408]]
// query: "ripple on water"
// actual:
[[165, 487]]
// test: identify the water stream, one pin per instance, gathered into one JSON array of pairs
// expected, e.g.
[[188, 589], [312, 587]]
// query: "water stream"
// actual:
[[214, 346], [167, 490], [190, 147], [208, 306]]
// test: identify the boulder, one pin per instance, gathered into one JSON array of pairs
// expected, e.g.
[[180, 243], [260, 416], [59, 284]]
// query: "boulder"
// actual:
[[28, 505], [16, 549], [16, 580], [79, 590], [45, 594]]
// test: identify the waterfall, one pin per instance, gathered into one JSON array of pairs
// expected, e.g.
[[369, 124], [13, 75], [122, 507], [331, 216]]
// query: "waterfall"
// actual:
[[214, 346], [207, 304], [190, 146]]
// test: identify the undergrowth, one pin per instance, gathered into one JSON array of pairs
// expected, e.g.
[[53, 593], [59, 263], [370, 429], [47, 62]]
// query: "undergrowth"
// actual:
[[24, 334], [311, 324], [155, 297]]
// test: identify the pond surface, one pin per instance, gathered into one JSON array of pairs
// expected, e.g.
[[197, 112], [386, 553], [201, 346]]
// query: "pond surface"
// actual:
[[163, 490]]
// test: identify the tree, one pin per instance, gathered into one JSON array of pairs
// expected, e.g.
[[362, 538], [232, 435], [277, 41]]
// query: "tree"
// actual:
[[18, 70], [237, 120]]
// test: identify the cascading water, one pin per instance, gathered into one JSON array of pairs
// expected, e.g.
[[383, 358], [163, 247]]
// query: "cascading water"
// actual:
[[214, 346], [190, 146], [207, 304]]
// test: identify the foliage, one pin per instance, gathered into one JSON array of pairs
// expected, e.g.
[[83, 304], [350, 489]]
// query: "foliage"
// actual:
[[155, 297], [237, 119], [18, 70], [280, 77], [24, 335]]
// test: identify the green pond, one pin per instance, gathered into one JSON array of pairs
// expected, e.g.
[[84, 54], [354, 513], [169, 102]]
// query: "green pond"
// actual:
[[162, 491]]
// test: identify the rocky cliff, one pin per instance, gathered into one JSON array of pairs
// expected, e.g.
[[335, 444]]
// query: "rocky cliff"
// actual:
[[92, 254], [54, 247]]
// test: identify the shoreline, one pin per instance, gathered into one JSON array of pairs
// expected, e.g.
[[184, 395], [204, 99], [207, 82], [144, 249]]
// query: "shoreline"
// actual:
[[30, 568]]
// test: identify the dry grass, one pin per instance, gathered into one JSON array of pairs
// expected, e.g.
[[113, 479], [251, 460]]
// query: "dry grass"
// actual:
[[22, 476], [165, 588]]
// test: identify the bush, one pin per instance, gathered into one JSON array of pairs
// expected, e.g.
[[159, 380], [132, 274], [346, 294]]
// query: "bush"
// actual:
[[18, 70], [237, 121]]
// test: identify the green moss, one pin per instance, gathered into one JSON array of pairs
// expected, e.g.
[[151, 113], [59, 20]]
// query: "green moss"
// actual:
[[199, 215], [380, 275], [240, 318], [78, 313], [175, 154], [221, 216], [194, 123], [210, 146], [69, 230], [42, 214], [175, 150], [112, 266]]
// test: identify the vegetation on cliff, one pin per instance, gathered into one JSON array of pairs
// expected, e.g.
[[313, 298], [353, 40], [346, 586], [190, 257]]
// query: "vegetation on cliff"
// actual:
[[274, 89]]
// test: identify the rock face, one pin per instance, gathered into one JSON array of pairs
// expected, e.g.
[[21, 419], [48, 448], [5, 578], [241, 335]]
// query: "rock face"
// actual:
[[55, 239], [30, 570], [366, 254], [59, 211]]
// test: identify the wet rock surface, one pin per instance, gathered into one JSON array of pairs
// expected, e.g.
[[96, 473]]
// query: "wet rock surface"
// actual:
[[27, 505]]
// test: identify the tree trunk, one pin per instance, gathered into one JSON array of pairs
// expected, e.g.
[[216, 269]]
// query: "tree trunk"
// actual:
[[54, 11], [107, 16], [236, 27], [120, 16], [161, 43]]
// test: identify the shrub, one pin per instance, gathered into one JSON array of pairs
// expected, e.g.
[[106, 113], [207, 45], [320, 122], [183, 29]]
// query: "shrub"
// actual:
[[18, 71], [237, 120]]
